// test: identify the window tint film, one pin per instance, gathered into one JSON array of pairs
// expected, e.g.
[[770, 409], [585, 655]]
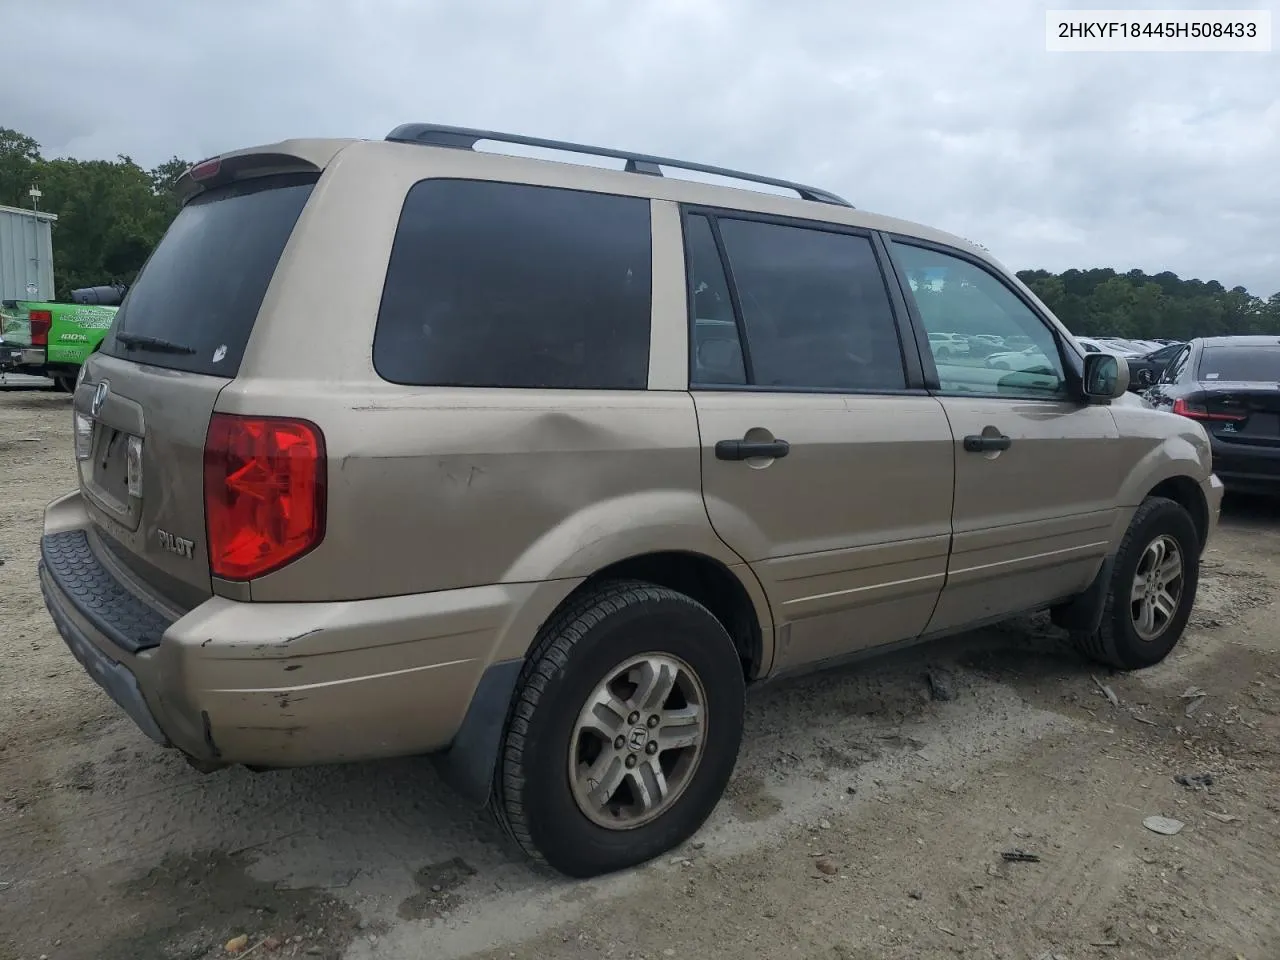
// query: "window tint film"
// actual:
[[1240, 364], [985, 339], [507, 285], [717, 353], [194, 304], [815, 308]]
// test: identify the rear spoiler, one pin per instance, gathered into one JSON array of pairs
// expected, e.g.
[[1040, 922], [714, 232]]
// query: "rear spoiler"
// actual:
[[288, 156]]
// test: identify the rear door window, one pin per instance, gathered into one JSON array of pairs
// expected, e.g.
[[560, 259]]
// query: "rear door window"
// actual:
[[814, 306], [508, 285], [195, 302], [1241, 364]]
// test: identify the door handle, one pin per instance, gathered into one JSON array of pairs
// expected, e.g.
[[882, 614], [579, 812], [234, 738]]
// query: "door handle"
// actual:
[[976, 443], [749, 449]]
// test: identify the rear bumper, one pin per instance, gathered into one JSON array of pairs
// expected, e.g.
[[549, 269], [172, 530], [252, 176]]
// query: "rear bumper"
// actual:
[[281, 684], [22, 359], [1247, 469]]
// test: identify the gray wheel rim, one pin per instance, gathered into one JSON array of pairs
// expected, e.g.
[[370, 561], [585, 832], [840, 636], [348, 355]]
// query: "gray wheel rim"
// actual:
[[638, 741], [1157, 588]]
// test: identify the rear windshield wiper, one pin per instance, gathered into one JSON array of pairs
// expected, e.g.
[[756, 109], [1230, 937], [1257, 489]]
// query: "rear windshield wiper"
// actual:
[[153, 343]]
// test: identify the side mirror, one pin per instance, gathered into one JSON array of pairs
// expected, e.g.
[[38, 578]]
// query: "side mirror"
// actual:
[[1106, 377], [1144, 377]]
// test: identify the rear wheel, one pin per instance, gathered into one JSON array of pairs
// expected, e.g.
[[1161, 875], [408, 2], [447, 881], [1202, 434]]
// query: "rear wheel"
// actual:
[[624, 731], [65, 382], [1153, 588]]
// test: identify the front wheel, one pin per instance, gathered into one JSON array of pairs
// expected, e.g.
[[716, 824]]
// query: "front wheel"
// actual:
[[624, 731], [65, 382], [1152, 590]]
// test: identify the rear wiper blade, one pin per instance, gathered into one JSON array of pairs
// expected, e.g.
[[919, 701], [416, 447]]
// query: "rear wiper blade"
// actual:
[[153, 343]]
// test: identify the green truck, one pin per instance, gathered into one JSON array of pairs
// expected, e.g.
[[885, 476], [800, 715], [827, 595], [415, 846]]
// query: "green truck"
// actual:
[[52, 339]]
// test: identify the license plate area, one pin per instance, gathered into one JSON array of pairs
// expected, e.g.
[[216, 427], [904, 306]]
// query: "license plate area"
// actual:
[[1260, 428], [113, 473]]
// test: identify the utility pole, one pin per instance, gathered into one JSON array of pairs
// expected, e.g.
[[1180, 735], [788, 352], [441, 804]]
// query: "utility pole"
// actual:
[[35, 194]]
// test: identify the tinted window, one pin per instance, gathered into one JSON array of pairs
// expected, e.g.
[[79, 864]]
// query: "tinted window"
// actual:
[[815, 308], [203, 286], [717, 352], [506, 285], [956, 296], [1241, 364]]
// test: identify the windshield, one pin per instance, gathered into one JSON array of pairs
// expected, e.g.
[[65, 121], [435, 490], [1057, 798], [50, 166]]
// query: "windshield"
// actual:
[[1241, 364], [195, 302]]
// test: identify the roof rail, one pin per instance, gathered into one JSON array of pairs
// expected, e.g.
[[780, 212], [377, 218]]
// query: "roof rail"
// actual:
[[463, 138]]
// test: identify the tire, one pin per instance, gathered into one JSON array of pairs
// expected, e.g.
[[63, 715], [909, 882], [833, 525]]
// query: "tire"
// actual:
[[65, 383], [538, 791], [1119, 641], [944, 354]]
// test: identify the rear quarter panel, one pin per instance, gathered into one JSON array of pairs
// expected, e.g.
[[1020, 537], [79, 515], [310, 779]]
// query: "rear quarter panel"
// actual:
[[439, 488]]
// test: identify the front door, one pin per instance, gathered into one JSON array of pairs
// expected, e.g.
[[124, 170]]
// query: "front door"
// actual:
[[1038, 472], [822, 468]]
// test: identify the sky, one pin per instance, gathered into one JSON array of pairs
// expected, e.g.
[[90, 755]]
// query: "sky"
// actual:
[[946, 112]]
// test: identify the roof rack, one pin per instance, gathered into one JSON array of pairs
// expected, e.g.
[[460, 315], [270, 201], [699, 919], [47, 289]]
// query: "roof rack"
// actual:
[[463, 138]]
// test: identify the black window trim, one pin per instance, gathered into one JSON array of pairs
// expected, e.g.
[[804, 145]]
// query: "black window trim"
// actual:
[[1072, 362], [463, 178], [913, 373], [1186, 351]]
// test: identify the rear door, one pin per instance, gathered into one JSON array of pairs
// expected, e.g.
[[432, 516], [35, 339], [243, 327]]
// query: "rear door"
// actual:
[[1038, 472], [143, 408], [825, 464]]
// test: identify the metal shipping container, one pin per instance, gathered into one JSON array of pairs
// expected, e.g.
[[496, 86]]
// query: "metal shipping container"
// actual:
[[26, 254]]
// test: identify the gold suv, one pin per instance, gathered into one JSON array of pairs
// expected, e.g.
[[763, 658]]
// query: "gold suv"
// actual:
[[401, 447]]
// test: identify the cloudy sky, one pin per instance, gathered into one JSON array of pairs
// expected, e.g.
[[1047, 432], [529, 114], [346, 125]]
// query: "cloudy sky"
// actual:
[[949, 112]]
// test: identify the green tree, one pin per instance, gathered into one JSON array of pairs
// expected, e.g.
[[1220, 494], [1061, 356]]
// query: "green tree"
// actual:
[[19, 158], [1102, 302], [111, 213]]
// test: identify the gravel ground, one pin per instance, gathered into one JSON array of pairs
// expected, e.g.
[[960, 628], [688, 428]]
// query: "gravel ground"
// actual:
[[866, 819]]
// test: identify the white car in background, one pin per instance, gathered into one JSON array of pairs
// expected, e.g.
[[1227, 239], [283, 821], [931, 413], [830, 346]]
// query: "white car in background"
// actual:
[[1029, 358], [947, 345]]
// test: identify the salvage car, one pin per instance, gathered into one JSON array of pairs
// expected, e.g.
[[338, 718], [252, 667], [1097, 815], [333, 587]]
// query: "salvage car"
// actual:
[[557, 461]]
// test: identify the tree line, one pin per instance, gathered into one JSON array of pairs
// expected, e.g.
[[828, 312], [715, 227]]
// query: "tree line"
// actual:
[[111, 213]]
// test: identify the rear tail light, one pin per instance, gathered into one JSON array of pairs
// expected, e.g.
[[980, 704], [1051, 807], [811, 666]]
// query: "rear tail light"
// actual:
[[41, 321], [1197, 411], [84, 436], [264, 493], [207, 169]]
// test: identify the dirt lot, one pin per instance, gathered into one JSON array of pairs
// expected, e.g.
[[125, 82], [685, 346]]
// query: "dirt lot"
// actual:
[[866, 820]]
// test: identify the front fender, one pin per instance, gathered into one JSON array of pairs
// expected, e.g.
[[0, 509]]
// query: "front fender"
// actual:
[[1159, 447]]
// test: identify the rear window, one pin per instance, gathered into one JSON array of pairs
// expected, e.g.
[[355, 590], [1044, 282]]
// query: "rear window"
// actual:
[[509, 285], [1241, 364], [201, 290]]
